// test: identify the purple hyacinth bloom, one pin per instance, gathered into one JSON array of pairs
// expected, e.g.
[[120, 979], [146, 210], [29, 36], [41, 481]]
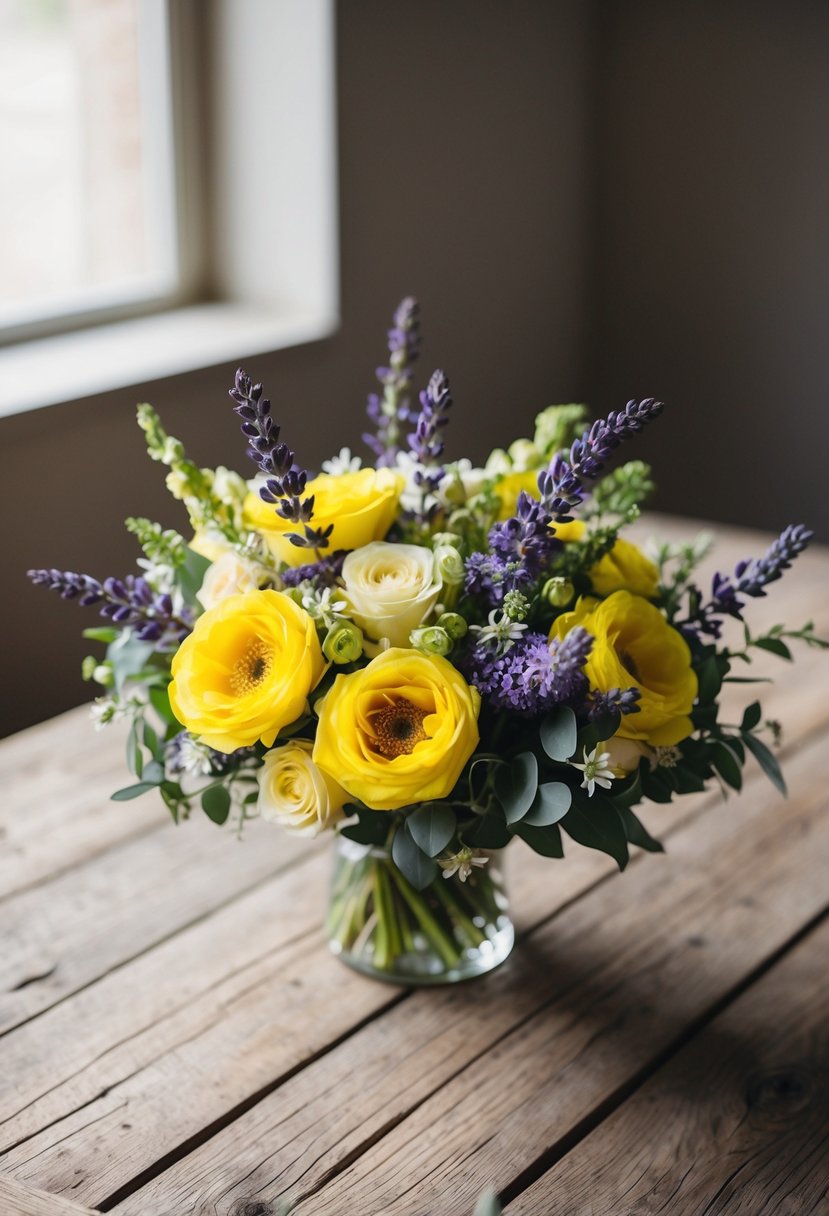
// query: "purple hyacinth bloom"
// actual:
[[130, 602], [392, 411]]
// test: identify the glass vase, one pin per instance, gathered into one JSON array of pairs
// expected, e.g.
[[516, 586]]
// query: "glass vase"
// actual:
[[454, 929]]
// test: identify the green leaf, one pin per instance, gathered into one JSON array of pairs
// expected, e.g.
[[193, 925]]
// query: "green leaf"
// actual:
[[751, 716], [559, 733], [127, 655], [710, 677], [190, 575], [372, 828], [687, 781], [546, 841], [766, 760], [637, 833], [773, 646], [551, 803], [215, 802], [516, 786], [135, 757], [600, 729], [132, 791], [657, 787], [101, 633], [153, 772], [151, 742], [412, 862], [489, 831], [488, 1205], [596, 823], [727, 765], [160, 702], [432, 827], [629, 794]]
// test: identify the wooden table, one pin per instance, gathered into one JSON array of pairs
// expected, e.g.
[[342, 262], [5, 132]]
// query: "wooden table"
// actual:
[[177, 1039]]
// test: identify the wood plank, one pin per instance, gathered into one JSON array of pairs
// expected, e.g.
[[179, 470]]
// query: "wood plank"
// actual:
[[697, 912], [68, 932], [618, 979], [18, 1200], [56, 810], [738, 1121]]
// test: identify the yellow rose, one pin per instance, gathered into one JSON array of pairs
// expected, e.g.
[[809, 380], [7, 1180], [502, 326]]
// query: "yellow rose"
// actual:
[[624, 568], [297, 795], [360, 505], [230, 574], [635, 647], [391, 589], [398, 731], [246, 670]]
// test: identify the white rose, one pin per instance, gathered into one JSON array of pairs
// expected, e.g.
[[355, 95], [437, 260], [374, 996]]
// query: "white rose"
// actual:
[[230, 574], [391, 589], [297, 795], [624, 754]]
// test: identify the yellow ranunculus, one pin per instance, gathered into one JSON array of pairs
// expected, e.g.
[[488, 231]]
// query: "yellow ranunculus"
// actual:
[[398, 731], [510, 485], [246, 670], [624, 568], [360, 505], [635, 647], [295, 793]]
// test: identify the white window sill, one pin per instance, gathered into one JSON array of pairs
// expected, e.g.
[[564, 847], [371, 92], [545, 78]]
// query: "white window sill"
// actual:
[[48, 371]]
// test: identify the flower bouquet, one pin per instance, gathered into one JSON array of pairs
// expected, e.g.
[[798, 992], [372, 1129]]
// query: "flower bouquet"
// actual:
[[426, 658]]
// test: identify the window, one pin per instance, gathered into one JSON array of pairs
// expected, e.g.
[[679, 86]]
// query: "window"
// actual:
[[166, 189]]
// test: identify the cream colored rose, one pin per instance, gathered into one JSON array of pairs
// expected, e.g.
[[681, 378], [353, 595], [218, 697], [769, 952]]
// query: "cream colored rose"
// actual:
[[390, 589], [624, 754], [297, 795], [229, 575]]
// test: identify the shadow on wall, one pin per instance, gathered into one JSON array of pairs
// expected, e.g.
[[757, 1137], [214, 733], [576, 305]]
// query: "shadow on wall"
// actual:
[[592, 202]]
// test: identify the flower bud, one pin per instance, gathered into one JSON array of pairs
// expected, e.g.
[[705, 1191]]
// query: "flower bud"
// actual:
[[343, 643], [446, 538], [431, 640], [454, 624], [558, 591], [176, 484], [449, 565], [172, 451], [88, 667], [103, 675]]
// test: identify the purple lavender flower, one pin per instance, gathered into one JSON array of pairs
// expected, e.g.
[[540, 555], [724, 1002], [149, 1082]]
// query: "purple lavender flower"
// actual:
[[568, 656], [526, 537], [323, 573], [424, 442], [560, 483], [490, 577], [129, 602], [614, 701], [393, 410], [533, 675], [286, 481]]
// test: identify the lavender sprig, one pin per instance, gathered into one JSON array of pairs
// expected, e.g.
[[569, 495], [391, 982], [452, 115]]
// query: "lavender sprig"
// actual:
[[425, 443], [560, 484], [129, 602], [750, 578], [393, 411], [526, 538], [614, 701], [286, 481]]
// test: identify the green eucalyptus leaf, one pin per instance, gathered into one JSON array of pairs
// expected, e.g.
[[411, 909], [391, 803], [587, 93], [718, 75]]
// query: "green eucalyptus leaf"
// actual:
[[190, 575], [766, 760], [596, 823], [133, 791], [153, 772], [432, 827], [215, 802], [135, 756], [751, 716], [551, 803], [558, 733], [151, 742], [637, 833], [412, 862], [516, 786], [128, 656]]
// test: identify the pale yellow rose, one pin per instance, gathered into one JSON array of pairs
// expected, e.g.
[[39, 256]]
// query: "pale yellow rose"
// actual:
[[230, 574], [624, 754], [246, 670], [635, 647], [390, 589], [398, 731], [297, 795], [361, 506]]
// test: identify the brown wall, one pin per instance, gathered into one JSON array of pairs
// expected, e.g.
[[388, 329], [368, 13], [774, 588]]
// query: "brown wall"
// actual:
[[592, 201], [464, 180]]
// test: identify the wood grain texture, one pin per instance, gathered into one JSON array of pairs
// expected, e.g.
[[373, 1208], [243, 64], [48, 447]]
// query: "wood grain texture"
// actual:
[[19, 1200], [737, 1122]]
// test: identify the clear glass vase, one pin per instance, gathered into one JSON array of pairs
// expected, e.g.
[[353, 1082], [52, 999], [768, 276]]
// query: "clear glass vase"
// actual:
[[380, 925]]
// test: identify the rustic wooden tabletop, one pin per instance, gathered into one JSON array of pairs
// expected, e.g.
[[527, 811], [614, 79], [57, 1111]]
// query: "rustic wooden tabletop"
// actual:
[[177, 1039]]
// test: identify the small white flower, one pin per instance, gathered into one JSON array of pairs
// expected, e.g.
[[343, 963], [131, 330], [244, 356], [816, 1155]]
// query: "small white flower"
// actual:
[[665, 757], [160, 576], [343, 462], [461, 863], [104, 710], [500, 630], [193, 757], [321, 607], [595, 770]]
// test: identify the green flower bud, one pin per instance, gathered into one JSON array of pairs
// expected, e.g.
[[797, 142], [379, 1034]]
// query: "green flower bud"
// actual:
[[558, 591], [431, 640], [343, 643], [88, 667], [516, 605], [454, 624], [449, 565], [446, 538]]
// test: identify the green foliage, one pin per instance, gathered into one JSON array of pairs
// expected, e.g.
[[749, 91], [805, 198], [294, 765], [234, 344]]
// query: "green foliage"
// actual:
[[545, 841], [637, 833], [432, 827], [190, 575], [215, 802], [596, 823], [766, 760], [559, 733], [163, 546], [516, 786], [371, 828], [621, 492], [557, 426], [551, 803], [413, 863]]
